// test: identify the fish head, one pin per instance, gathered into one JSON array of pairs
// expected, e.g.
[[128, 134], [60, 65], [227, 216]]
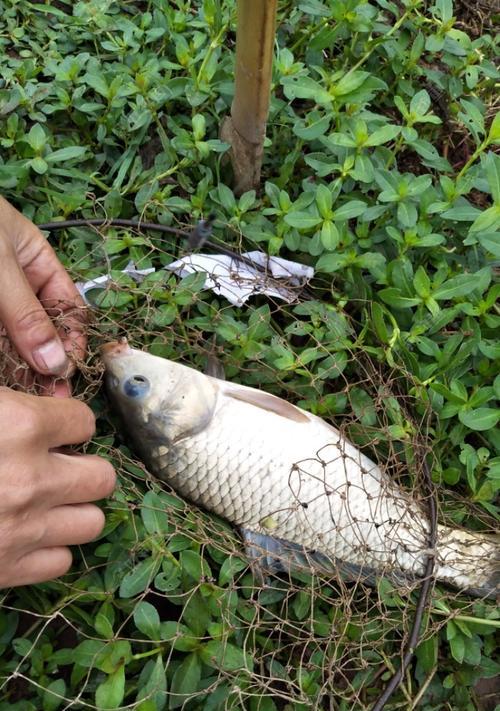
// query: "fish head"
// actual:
[[159, 400]]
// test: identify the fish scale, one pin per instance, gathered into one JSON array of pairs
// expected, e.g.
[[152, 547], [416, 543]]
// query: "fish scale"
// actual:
[[254, 490], [298, 491]]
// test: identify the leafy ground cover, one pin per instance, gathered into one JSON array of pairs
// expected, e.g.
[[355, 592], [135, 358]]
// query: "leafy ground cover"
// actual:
[[380, 171]]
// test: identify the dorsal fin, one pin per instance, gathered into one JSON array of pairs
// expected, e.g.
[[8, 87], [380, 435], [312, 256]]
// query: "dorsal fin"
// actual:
[[265, 401]]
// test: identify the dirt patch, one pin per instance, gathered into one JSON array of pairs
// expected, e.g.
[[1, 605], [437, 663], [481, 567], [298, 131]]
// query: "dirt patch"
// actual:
[[477, 17]]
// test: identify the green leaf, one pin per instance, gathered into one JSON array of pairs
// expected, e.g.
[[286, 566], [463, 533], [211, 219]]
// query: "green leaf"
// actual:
[[179, 635], [230, 567], [153, 512], [492, 165], [487, 221], [66, 154], [39, 165], [185, 681], [324, 199], [139, 577], [496, 387], [110, 693], [461, 213], [393, 297], [420, 103], [340, 139], [330, 236], [301, 604], [194, 565], [427, 653], [331, 262], [407, 214], [226, 198], [54, 694], [419, 185], [421, 282], [382, 135], [349, 83], [147, 620], [480, 419], [457, 648], [199, 126], [490, 242], [305, 88], [104, 620], [36, 138], [302, 220], [494, 132], [463, 284], [378, 320], [313, 130], [155, 688], [225, 656], [314, 7], [363, 170], [350, 209], [97, 81]]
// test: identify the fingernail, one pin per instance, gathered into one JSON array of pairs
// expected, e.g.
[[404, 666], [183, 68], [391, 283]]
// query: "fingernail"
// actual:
[[51, 357]]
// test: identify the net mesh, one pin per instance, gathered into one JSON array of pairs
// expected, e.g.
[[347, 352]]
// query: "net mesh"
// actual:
[[167, 591]]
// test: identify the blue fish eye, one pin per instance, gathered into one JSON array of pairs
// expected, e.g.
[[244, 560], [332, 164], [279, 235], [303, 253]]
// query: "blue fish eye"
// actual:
[[136, 386]]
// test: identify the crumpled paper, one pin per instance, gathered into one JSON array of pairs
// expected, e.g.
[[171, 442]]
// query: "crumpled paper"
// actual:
[[234, 279], [237, 280]]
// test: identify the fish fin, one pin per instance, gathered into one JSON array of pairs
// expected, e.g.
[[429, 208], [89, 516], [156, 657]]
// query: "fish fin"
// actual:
[[214, 368], [265, 401], [274, 555], [264, 552]]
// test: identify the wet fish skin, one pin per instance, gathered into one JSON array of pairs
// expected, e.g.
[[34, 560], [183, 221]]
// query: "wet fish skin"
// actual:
[[275, 470]]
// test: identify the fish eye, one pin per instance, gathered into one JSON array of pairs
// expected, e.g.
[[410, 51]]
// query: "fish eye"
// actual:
[[136, 386]]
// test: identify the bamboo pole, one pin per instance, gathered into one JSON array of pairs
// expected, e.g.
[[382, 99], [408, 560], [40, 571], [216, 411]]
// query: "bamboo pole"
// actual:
[[245, 129]]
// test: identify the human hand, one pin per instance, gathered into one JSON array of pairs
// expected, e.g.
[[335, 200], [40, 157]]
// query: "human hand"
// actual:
[[44, 493], [33, 288]]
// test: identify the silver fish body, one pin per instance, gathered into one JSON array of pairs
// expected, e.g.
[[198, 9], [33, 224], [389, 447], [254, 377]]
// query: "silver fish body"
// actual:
[[280, 473]]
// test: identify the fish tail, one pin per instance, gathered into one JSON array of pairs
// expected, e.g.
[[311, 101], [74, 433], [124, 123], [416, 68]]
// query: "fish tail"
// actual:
[[469, 561]]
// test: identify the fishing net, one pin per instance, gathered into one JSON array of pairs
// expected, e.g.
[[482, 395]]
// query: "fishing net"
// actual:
[[165, 604]]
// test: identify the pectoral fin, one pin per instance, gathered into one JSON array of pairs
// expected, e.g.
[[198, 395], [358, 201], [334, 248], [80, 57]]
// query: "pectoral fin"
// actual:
[[214, 367]]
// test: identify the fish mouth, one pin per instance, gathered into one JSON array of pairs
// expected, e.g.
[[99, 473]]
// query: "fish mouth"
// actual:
[[115, 349]]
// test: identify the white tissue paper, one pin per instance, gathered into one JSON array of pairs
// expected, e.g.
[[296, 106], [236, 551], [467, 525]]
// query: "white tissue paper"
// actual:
[[234, 279]]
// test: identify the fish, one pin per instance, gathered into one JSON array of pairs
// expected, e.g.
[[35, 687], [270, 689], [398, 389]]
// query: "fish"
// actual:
[[299, 492]]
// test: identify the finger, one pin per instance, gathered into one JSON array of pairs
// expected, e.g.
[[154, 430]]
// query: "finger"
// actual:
[[61, 421], [62, 388], [41, 565], [52, 387], [72, 525], [46, 276], [27, 324], [77, 478], [57, 294]]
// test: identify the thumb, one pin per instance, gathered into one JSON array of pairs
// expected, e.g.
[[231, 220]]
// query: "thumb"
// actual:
[[27, 324]]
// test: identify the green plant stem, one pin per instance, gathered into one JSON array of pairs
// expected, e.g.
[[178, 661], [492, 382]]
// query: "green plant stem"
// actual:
[[150, 653], [467, 618], [368, 54], [183, 163], [210, 50], [480, 149]]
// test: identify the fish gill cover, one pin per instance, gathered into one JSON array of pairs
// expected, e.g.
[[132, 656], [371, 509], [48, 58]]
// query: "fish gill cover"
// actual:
[[393, 340]]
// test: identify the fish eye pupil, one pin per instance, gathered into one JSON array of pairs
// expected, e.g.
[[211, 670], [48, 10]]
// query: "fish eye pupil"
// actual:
[[135, 386]]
